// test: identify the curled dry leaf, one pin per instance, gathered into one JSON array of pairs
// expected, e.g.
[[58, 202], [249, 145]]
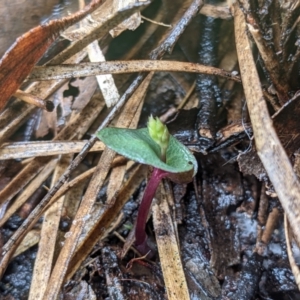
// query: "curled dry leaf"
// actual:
[[21, 57]]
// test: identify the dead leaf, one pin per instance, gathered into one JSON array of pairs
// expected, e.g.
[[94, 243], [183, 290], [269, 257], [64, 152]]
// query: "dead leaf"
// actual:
[[21, 57]]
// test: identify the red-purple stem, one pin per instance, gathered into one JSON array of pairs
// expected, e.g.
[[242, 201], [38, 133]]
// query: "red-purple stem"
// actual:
[[149, 193]]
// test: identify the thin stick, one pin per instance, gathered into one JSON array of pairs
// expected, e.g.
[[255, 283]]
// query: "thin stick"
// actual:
[[157, 23], [187, 96], [270, 226], [170, 41], [36, 101]]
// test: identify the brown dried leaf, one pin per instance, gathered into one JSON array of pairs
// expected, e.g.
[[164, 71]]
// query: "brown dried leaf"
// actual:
[[18, 61]]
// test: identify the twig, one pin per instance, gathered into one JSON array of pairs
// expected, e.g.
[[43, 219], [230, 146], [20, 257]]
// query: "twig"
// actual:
[[261, 220], [169, 43], [289, 13], [272, 99], [294, 61], [207, 87], [270, 225], [276, 22], [157, 23], [36, 101]]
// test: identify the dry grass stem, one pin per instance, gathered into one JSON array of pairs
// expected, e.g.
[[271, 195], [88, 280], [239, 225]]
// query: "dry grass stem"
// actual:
[[29, 190], [49, 233], [71, 131], [128, 118], [107, 218], [271, 63], [187, 96], [19, 150], [268, 146], [120, 67], [168, 249], [155, 22], [62, 264]]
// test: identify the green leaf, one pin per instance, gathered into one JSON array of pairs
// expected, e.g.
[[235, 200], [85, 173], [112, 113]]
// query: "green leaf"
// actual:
[[137, 145]]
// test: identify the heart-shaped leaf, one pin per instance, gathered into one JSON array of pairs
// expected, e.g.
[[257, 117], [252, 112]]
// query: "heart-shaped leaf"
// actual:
[[137, 145]]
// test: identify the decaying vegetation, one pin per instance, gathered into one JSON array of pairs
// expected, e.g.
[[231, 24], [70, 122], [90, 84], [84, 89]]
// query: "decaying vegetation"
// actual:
[[224, 76]]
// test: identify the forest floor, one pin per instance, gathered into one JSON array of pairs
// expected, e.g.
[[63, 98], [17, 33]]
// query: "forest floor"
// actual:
[[231, 233]]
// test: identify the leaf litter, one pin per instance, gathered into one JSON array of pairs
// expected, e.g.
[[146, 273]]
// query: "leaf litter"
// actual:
[[225, 232]]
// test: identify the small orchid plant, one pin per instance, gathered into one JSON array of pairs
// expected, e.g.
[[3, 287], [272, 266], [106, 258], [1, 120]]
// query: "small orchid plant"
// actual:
[[155, 147]]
